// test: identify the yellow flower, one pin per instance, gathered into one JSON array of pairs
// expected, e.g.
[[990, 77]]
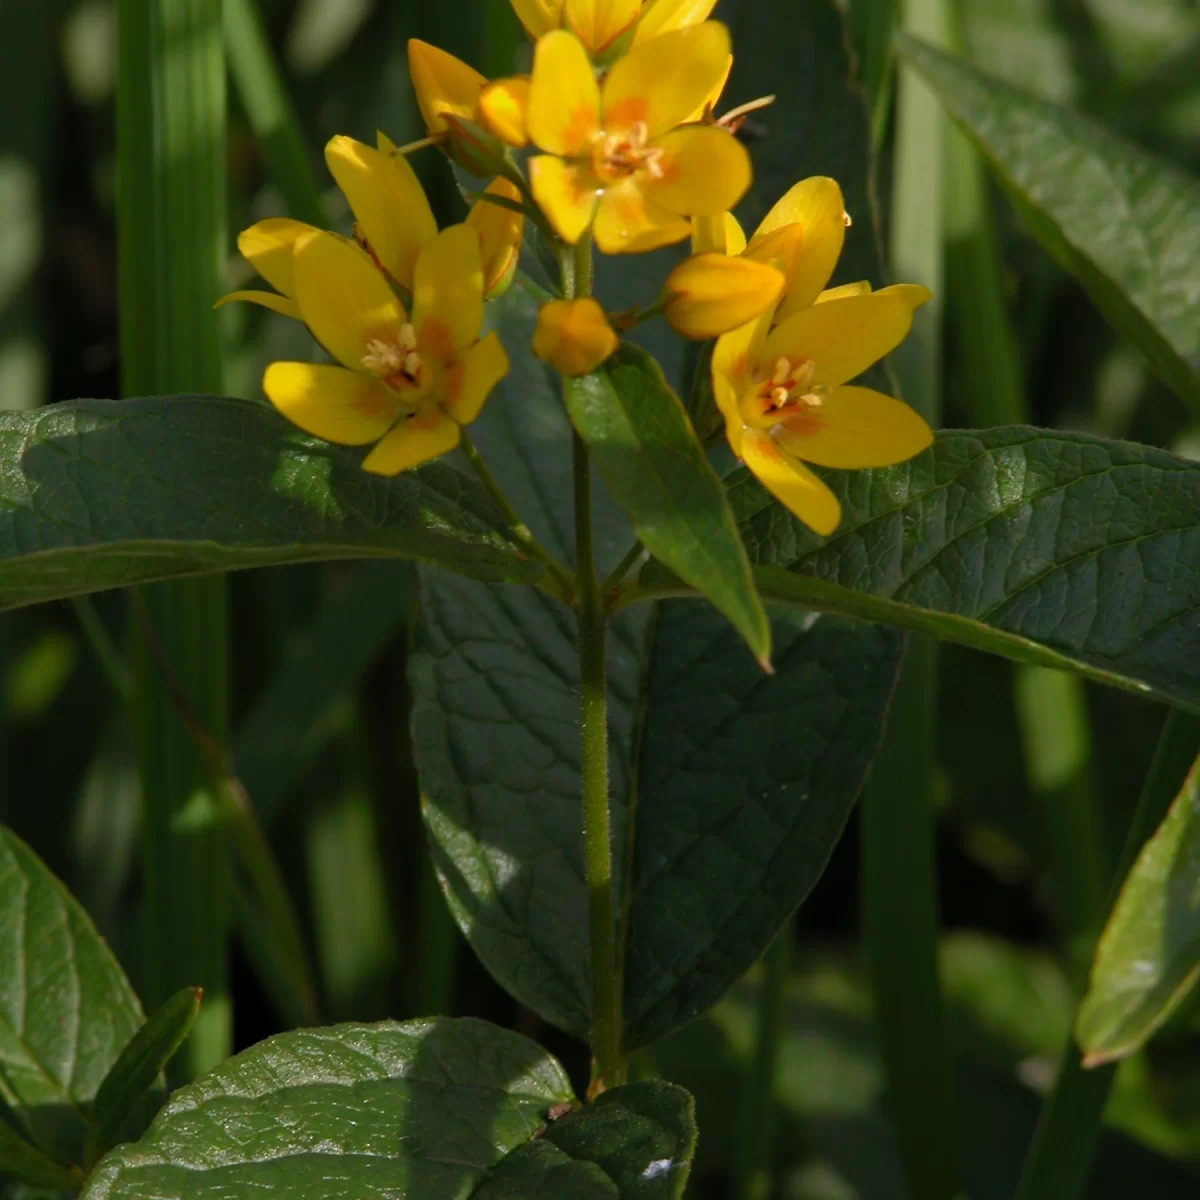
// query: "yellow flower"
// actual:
[[573, 336], [803, 233], [784, 397], [407, 384], [600, 23], [712, 294], [393, 223], [615, 159]]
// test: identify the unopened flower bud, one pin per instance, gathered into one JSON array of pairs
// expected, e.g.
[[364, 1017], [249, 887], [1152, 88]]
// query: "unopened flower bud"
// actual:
[[573, 336], [499, 230], [502, 107], [712, 294], [445, 85]]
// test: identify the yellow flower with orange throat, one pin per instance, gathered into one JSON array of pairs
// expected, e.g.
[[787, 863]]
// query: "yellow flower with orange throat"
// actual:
[[782, 381], [616, 158]]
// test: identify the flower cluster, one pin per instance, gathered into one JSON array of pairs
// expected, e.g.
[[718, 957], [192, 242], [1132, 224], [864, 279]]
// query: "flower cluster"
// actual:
[[611, 141]]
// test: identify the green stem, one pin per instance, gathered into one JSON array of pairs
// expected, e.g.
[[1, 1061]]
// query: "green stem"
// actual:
[[1058, 1161], [114, 666], [627, 563], [562, 576], [607, 1068], [755, 1137]]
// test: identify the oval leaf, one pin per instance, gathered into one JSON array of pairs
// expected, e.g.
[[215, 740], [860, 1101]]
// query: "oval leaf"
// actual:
[[66, 1009], [99, 494], [1061, 549], [423, 1108], [648, 455], [1125, 224], [1148, 957], [633, 1143]]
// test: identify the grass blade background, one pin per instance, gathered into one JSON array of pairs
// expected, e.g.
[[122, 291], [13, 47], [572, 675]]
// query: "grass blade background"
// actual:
[[899, 872], [172, 240]]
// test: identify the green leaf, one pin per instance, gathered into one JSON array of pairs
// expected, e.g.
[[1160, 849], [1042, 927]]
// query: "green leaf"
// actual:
[[422, 1109], [1060, 549], [66, 1009], [633, 1143], [1148, 957], [1124, 223], [100, 494], [647, 453], [28, 1164], [742, 780], [134, 1073]]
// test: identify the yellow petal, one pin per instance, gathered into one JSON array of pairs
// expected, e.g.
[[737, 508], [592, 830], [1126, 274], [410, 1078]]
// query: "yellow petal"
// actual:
[[791, 483], [704, 171], [663, 81], [280, 304], [443, 84], [416, 440], [843, 337], [709, 103], [912, 294], [564, 100], [782, 246], [598, 23], [817, 207], [388, 203], [713, 294], [538, 16], [484, 365], [573, 336], [565, 193], [499, 232], [630, 222], [268, 247], [343, 297], [330, 402], [717, 235], [448, 294], [504, 110], [733, 361], [661, 16], [846, 289], [855, 427]]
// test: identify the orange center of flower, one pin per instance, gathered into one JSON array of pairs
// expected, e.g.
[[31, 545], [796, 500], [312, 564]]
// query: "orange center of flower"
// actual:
[[617, 156], [783, 389], [395, 361]]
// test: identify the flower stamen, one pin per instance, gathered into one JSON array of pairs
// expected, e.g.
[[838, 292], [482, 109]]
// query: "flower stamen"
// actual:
[[397, 363], [619, 155]]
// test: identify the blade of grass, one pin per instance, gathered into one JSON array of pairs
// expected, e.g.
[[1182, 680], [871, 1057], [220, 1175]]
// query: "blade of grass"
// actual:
[[755, 1133], [871, 23], [1050, 705], [263, 93], [900, 917], [1065, 1140], [172, 242]]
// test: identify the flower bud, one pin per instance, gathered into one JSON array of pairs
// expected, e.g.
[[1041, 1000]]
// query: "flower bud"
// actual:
[[573, 336], [502, 107], [499, 230], [605, 27], [538, 16], [444, 85], [473, 148], [712, 294]]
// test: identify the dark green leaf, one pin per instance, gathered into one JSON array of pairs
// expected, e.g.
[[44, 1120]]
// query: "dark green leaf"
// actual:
[[1148, 957], [140, 1064], [646, 451], [420, 1109], [66, 1009], [27, 1163], [743, 780], [632, 1143], [1125, 224], [1053, 548], [97, 494]]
